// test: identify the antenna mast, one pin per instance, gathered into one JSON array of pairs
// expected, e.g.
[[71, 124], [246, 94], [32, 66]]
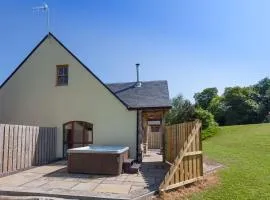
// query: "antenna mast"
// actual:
[[44, 8]]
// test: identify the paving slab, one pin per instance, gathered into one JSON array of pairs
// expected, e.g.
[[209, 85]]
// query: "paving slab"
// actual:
[[114, 182], [150, 180], [113, 188], [35, 183], [14, 180], [123, 178], [60, 184], [136, 188], [85, 186], [53, 180], [45, 169]]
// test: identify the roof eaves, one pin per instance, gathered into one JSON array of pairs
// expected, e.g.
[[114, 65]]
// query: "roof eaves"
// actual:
[[148, 108], [21, 64]]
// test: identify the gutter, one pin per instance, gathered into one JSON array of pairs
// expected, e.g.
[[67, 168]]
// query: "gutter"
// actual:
[[149, 108]]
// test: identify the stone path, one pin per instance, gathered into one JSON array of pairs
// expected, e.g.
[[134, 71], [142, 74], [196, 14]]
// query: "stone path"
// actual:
[[210, 166], [53, 180]]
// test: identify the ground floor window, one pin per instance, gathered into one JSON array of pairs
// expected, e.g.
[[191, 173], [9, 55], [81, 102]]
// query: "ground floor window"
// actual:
[[76, 134]]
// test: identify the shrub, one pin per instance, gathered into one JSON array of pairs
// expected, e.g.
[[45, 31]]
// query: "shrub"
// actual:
[[206, 117], [209, 126], [209, 132], [267, 119]]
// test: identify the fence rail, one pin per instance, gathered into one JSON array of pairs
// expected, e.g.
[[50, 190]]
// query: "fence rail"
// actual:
[[183, 151], [24, 146]]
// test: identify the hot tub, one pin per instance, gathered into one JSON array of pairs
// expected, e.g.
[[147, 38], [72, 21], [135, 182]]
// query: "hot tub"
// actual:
[[97, 159]]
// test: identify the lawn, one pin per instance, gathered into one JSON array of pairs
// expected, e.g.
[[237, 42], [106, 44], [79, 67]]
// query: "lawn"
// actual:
[[245, 152]]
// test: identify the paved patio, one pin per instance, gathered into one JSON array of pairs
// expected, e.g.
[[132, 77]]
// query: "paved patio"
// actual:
[[53, 180]]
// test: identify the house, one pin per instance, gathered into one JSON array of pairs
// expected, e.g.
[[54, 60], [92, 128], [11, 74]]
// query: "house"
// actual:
[[53, 88]]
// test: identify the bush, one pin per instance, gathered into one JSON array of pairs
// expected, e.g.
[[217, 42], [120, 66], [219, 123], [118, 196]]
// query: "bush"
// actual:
[[209, 126], [206, 117], [267, 119], [209, 132]]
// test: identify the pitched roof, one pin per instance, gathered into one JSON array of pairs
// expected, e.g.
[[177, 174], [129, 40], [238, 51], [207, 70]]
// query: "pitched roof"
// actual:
[[152, 94], [61, 44]]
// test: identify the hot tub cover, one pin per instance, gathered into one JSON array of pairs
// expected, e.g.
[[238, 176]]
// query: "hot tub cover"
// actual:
[[99, 149]]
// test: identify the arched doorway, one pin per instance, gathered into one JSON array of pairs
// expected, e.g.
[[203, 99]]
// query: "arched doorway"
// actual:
[[76, 134]]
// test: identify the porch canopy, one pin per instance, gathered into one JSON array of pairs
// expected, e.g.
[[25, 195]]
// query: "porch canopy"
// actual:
[[151, 100]]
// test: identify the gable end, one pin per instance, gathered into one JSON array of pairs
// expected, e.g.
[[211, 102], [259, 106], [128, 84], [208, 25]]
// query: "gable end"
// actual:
[[77, 59]]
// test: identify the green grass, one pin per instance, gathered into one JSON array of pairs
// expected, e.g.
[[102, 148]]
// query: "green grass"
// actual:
[[245, 152]]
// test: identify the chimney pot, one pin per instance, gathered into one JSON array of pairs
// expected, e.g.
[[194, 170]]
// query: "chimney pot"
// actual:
[[138, 83]]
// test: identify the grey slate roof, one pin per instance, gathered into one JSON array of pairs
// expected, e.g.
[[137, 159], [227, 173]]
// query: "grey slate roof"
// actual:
[[152, 94]]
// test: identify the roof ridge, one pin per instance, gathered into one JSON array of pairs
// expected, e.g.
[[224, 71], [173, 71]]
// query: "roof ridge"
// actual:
[[135, 82]]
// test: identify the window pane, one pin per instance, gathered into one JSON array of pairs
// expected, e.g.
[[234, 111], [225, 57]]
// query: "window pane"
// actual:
[[88, 136], [78, 132], [60, 80], [65, 69], [65, 150], [65, 80], [60, 71], [77, 145]]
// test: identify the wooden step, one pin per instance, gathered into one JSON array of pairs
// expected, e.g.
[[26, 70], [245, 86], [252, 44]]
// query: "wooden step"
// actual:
[[127, 164], [134, 168], [129, 160]]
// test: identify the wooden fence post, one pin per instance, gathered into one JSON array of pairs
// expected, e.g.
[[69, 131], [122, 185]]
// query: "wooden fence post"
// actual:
[[2, 129]]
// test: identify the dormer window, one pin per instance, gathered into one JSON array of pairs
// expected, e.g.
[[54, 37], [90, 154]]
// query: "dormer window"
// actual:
[[61, 75]]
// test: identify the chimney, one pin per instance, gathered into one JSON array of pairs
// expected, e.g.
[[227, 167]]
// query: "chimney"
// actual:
[[138, 83]]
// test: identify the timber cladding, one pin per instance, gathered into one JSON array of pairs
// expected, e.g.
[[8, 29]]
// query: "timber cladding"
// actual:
[[22, 147], [154, 140], [183, 151]]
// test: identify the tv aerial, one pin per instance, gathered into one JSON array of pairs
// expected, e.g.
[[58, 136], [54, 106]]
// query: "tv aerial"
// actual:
[[45, 9]]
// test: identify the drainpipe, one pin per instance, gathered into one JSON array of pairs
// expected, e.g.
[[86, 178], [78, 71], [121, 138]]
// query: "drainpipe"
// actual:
[[137, 138]]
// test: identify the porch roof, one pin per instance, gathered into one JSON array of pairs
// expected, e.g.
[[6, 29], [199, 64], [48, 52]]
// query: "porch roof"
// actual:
[[151, 94]]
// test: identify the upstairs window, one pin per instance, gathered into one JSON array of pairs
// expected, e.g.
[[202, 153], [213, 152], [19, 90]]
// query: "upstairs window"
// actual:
[[61, 75]]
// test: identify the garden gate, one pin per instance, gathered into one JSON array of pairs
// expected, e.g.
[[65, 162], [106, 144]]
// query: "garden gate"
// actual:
[[183, 151]]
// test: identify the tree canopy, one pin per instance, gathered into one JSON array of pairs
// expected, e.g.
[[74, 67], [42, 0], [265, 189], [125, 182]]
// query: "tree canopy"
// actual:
[[182, 111], [203, 99], [237, 105]]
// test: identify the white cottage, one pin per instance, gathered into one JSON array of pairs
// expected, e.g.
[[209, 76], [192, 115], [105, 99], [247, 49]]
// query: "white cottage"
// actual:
[[53, 88]]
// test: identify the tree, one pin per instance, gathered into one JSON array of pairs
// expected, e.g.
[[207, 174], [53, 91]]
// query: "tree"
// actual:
[[262, 86], [263, 89], [242, 107], [203, 99], [182, 111], [218, 108]]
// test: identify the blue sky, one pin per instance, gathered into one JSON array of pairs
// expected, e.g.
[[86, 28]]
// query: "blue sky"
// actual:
[[192, 44]]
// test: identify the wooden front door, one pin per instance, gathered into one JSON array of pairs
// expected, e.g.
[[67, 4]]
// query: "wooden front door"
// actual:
[[77, 134]]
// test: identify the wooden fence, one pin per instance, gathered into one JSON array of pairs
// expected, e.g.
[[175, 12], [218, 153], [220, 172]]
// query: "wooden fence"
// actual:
[[183, 151], [24, 146], [154, 140]]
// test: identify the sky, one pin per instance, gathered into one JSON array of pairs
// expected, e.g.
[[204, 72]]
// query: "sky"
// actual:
[[193, 44]]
